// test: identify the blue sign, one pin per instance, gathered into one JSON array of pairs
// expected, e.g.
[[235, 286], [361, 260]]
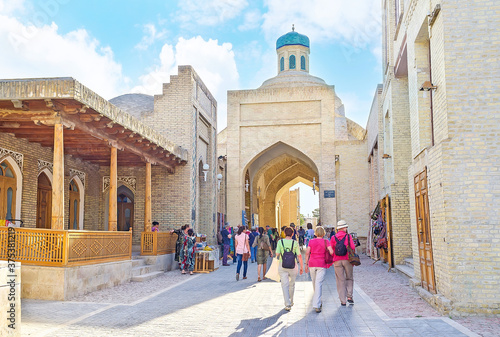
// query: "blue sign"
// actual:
[[330, 194]]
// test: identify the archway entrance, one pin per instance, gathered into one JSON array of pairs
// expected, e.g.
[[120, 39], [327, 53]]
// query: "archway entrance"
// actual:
[[268, 181], [44, 202], [125, 208]]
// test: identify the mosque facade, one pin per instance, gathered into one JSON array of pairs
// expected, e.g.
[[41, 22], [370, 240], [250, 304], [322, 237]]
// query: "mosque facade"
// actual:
[[293, 129]]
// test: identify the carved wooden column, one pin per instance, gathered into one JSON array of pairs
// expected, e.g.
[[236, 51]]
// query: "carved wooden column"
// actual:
[[113, 177], [147, 202], [58, 179]]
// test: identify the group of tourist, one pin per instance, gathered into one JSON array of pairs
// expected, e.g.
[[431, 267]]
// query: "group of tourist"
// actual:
[[257, 245]]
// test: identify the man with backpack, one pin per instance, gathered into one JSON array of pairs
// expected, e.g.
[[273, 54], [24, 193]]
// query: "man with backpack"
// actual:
[[343, 268], [288, 253]]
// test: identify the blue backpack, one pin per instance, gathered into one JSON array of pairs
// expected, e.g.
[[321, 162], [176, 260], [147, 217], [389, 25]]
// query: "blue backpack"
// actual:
[[288, 257]]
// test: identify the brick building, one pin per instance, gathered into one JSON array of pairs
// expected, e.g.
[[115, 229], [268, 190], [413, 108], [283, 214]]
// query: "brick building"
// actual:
[[437, 128], [172, 135], [293, 129]]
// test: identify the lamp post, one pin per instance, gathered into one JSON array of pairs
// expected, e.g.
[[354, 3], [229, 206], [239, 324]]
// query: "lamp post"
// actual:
[[206, 167]]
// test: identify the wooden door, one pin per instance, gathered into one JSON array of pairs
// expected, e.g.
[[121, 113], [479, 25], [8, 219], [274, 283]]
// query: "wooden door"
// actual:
[[44, 202], [125, 208], [424, 232], [74, 206], [8, 188]]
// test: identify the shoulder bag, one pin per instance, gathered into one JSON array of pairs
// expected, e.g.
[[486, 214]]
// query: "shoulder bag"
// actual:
[[353, 257], [328, 256]]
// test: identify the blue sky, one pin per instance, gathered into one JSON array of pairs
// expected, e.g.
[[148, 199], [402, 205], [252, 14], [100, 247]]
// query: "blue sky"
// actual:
[[116, 47]]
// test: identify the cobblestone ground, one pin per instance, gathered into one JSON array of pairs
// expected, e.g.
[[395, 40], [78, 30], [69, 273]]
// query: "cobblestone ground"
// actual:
[[216, 305]]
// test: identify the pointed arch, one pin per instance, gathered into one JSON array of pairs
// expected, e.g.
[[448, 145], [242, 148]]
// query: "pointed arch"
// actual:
[[19, 183], [81, 191]]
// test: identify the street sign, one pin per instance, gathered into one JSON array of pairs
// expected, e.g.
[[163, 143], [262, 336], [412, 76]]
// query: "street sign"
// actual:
[[330, 194]]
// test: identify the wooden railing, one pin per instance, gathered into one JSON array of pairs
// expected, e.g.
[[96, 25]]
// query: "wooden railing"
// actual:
[[47, 247], [158, 243]]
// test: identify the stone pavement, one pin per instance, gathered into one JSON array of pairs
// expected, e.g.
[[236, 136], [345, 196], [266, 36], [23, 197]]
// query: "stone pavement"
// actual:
[[216, 305]]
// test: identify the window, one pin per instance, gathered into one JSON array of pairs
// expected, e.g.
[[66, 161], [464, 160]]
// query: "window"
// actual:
[[302, 63], [282, 64], [291, 62]]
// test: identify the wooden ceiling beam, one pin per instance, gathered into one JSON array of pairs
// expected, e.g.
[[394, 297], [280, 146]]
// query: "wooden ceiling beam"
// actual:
[[89, 128]]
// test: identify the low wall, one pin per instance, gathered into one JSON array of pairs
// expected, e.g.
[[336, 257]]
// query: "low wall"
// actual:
[[10, 299], [62, 283]]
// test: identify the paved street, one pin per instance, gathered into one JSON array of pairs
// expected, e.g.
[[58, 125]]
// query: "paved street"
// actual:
[[216, 305]]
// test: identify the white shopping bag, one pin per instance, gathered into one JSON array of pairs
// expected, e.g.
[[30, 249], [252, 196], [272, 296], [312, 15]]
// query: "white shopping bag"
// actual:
[[273, 273]]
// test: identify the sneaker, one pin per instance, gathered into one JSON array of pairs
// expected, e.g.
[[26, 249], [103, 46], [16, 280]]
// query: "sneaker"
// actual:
[[226, 265], [318, 310], [288, 308], [244, 277], [350, 300], [238, 278], [343, 304]]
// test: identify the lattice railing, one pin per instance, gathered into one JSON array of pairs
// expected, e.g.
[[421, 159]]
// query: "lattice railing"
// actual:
[[47, 247], [154, 243]]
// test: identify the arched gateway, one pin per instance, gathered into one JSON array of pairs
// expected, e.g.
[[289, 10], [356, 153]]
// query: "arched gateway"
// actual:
[[293, 129]]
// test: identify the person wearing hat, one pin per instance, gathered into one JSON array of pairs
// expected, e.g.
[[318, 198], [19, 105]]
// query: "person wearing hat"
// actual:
[[343, 268]]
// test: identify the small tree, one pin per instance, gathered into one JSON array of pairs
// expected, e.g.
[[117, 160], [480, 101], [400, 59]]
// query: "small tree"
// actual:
[[315, 213], [302, 220]]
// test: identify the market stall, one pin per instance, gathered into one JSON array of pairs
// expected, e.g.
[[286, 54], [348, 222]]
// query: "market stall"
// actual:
[[379, 236]]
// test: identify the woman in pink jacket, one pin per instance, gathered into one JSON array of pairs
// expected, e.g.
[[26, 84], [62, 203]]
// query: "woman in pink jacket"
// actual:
[[343, 268]]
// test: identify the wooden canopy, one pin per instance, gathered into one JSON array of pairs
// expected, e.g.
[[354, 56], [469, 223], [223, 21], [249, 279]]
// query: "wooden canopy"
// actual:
[[29, 108]]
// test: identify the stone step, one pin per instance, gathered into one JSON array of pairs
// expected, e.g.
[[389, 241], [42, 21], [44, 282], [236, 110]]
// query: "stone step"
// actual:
[[146, 277], [405, 270], [137, 263], [409, 262], [142, 270]]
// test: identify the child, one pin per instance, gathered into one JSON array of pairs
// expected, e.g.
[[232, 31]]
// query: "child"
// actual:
[[155, 227]]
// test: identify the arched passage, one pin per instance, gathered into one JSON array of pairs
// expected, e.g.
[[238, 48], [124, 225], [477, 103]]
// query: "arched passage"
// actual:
[[270, 175]]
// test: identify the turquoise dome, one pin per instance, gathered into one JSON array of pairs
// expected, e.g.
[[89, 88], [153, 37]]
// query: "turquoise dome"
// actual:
[[292, 38]]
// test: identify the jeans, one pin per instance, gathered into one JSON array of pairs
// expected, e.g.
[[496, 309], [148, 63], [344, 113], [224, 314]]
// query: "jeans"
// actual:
[[253, 252], [245, 265], [287, 283], [224, 254], [317, 277]]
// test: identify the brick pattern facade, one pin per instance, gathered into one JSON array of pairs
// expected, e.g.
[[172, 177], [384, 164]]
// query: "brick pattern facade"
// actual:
[[456, 51]]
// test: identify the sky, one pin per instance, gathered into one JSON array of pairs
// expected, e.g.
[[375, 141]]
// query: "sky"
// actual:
[[116, 47]]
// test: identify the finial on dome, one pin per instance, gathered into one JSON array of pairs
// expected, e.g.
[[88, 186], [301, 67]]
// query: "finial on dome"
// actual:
[[293, 27]]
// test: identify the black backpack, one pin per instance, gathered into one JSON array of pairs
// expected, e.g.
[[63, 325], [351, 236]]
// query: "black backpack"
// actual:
[[288, 257], [340, 248]]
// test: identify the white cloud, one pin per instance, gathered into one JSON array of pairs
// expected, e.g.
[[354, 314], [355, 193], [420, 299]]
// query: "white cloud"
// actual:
[[151, 35], [251, 21], [209, 13], [10, 6], [30, 51], [214, 63], [354, 23]]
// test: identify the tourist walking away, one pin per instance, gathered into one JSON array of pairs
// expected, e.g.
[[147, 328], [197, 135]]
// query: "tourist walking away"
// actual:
[[251, 239], [226, 241], [264, 250], [309, 233], [188, 253], [302, 233], [288, 253], [343, 268], [294, 236], [155, 227], [316, 263], [180, 241], [283, 235], [232, 231], [242, 249]]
